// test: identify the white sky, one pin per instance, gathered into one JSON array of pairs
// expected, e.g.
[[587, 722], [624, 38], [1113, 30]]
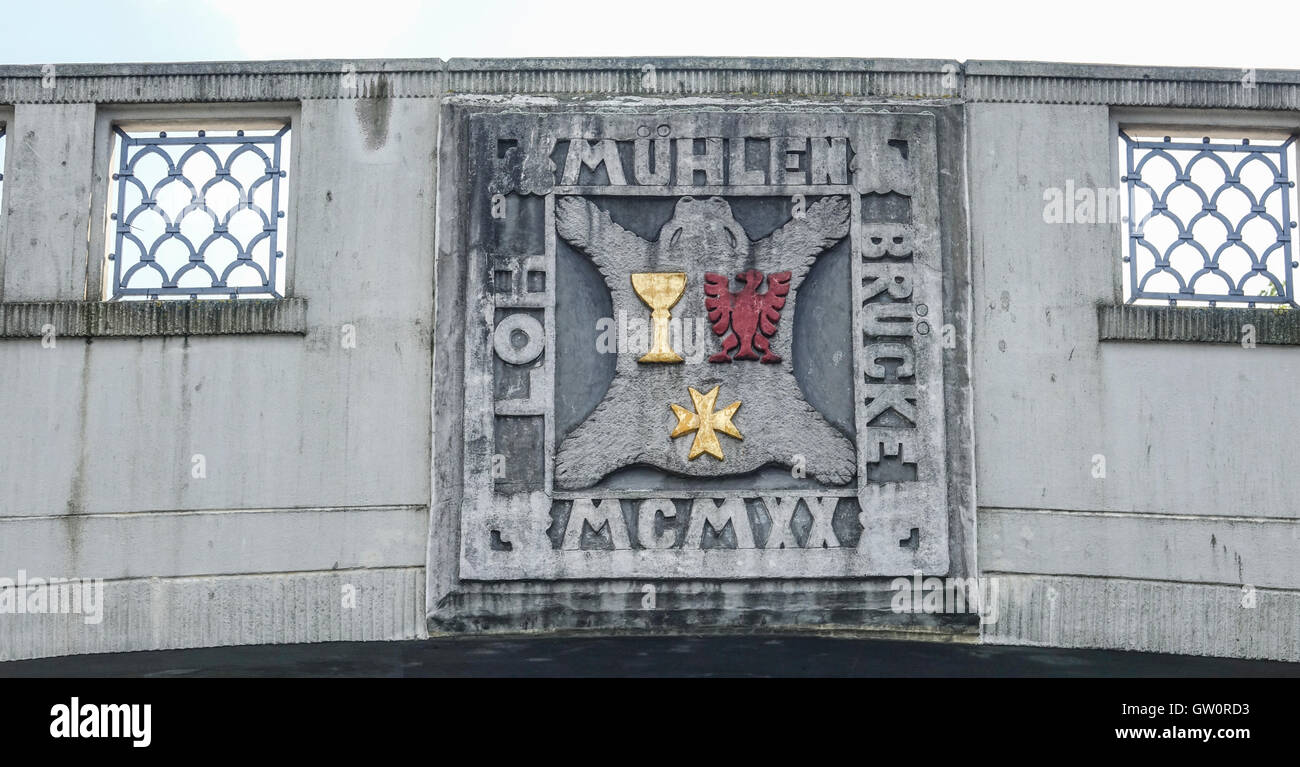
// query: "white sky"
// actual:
[[1190, 32]]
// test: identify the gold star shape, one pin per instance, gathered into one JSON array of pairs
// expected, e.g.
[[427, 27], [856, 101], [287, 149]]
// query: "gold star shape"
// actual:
[[705, 423]]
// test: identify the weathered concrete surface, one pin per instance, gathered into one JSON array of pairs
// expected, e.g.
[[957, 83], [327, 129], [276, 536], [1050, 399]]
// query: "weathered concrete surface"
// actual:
[[216, 542], [1173, 421], [1036, 287], [52, 320], [974, 81], [1221, 326], [1188, 548], [268, 608], [1150, 616], [281, 421], [289, 426], [1196, 87], [47, 200], [299, 426], [1181, 438]]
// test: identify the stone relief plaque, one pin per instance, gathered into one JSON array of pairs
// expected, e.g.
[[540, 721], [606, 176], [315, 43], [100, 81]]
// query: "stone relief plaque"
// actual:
[[703, 344]]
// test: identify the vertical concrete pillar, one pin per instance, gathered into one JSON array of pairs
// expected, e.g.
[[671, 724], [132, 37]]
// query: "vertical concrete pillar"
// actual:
[[47, 196]]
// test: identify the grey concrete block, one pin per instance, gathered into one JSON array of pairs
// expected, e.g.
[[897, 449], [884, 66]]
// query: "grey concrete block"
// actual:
[[50, 149], [170, 613], [1146, 616], [1223, 550], [170, 544]]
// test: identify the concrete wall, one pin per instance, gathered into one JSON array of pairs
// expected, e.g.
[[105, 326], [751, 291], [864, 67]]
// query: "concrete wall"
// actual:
[[318, 456], [1198, 498]]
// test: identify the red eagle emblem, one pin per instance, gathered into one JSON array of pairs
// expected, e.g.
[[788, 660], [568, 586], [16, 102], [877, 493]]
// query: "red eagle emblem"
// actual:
[[751, 316]]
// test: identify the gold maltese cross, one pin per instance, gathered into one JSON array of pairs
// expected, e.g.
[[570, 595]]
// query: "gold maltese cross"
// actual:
[[705, 423]]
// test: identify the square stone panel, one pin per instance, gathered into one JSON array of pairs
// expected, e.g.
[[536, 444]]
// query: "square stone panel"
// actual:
[[630, 276]]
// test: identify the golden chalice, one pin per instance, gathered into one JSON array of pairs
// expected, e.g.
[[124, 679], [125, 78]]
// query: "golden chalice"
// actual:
[[660, 291]]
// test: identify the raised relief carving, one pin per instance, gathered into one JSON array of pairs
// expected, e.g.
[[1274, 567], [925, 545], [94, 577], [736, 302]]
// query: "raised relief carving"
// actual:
[[660, 291], [745, 319], [704, 237], [780, 239], [774, 523], [705, 422]]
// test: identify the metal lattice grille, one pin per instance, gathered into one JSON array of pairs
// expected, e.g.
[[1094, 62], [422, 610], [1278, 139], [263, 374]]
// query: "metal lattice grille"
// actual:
[[197, 214], [1208, 221]]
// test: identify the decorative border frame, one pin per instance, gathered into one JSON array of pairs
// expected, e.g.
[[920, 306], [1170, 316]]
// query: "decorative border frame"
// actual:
[[905, 523], [457, 605]]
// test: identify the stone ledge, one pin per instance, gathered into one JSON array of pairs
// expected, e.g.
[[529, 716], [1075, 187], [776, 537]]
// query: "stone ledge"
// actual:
[[223, 610], [1066, 70], [1197, 325], [103, 319], [1029, 82], [692, 606], [1145, 616]]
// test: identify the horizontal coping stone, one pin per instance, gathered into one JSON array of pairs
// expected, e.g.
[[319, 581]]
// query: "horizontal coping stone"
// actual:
[[153, 318], [1218, 325]]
